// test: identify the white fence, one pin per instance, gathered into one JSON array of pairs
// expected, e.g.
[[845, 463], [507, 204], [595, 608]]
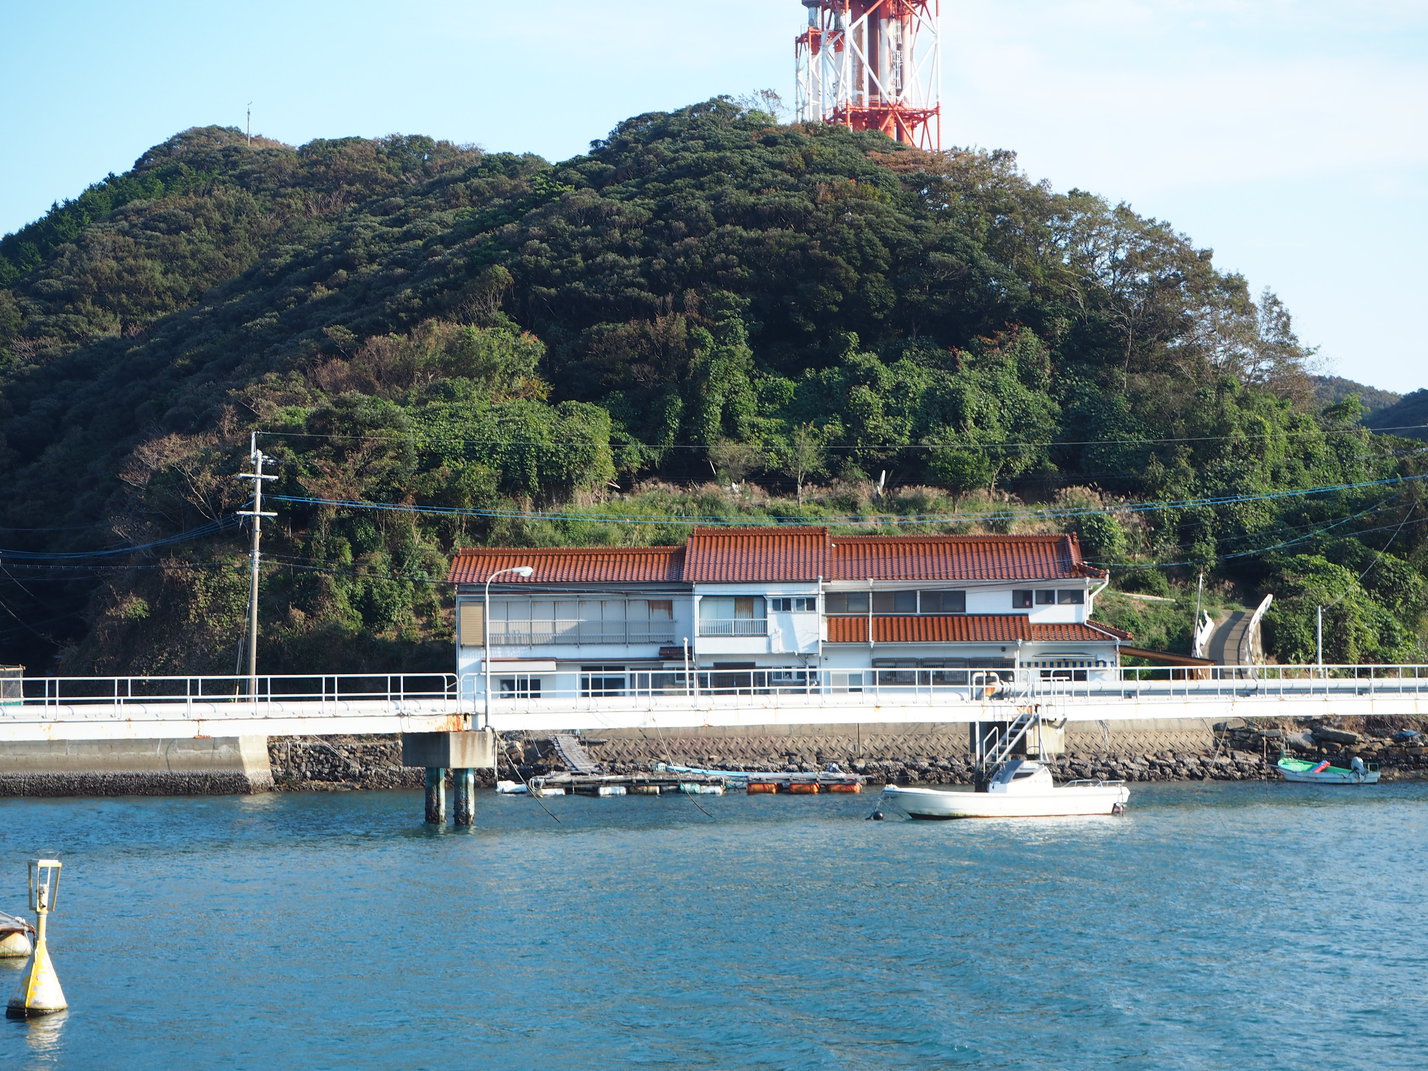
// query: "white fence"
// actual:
[[61, 708], [796, 696], [139, 708]]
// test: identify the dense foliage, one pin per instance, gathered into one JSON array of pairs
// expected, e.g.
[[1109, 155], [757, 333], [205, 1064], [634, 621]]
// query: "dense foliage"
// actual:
[[709, 315]]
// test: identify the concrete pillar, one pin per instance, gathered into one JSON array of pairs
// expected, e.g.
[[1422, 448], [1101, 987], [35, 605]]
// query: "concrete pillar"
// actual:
[[461, 752], [436, 795], [464, 809]]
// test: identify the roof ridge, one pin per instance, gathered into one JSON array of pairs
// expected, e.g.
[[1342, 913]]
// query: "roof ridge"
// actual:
[[959, 535], [762, 529], [566, 550]]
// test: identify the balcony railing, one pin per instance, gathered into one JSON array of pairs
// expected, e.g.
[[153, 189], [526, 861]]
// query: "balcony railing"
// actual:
[[585, 635], [739, 626]]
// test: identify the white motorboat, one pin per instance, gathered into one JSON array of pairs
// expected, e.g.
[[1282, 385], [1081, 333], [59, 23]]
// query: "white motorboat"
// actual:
[[1357, 772], [15, 936], [1019, 788]]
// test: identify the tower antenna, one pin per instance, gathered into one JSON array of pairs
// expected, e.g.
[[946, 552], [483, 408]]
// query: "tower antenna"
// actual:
[[873, 65]]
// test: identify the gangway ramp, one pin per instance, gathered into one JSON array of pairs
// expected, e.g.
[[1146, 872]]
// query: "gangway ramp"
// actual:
[[572, 754]]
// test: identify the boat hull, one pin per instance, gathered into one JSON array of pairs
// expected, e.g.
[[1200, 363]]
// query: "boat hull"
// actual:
[[15, 934], [1305, 772], [1065, 801]]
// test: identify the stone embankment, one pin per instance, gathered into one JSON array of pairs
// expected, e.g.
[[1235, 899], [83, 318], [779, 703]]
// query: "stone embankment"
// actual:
[[335, 763], [927, 754]]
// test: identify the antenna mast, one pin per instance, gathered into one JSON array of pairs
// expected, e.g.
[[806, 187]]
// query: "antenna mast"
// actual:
[[255, 457], [873, 65]]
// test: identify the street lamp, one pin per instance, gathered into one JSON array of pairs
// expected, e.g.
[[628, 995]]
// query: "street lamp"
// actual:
[[523, 571]]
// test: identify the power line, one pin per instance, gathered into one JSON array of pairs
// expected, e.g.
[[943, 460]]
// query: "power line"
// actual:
[[892, 520], [202, 531], [1049, 444]]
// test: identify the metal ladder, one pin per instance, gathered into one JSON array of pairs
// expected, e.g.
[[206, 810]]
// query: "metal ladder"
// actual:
[[996, 746]]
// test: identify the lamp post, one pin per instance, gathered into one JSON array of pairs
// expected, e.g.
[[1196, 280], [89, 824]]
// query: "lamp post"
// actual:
[[523, 571]]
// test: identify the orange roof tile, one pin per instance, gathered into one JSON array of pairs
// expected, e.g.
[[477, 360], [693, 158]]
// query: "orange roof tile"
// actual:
[[569, 565], [732, 555], [792, 553], [959, 628], [992, 557]]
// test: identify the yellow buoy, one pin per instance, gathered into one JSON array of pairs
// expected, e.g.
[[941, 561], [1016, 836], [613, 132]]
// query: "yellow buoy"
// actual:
[[39, 992]]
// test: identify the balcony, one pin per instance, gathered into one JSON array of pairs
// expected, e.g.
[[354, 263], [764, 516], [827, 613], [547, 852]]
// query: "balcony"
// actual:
[[738, 626], [582, 634]]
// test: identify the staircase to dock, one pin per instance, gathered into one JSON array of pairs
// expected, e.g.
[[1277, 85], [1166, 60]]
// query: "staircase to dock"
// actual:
[[998, 745], [572, 754]]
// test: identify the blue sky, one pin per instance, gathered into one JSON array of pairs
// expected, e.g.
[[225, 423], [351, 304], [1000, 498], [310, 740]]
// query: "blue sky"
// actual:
[[1289, 136]]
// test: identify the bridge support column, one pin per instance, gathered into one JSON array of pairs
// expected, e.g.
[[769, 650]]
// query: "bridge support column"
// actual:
[[435, 796], [464, 809], [463, 753]]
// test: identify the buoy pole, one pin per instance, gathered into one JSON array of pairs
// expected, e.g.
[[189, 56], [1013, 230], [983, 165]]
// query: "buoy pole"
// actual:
[[39, 992]]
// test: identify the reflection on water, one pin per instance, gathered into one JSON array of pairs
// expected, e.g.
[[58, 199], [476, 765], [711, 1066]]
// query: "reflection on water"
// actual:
[[43, 1037]]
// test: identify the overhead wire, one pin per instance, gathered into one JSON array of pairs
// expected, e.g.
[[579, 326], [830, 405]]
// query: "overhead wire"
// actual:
[[853, 520], [1047, 444]]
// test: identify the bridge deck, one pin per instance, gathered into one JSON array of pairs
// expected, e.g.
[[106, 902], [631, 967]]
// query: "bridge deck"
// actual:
[[191, 707]]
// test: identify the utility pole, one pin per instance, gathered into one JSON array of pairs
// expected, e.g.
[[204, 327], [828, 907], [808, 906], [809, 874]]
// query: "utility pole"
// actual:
[[255, 457]]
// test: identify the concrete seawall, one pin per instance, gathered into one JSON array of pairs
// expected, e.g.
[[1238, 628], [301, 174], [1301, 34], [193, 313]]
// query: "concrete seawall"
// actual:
[[208, 766], [931, 753]]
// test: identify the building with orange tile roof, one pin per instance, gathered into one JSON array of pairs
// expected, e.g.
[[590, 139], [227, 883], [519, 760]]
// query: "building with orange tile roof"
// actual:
[[786, 607]]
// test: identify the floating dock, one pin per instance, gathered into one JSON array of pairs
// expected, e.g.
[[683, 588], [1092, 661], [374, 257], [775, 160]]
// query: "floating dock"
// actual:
[[657, 784], [688, 781], [766, 781]]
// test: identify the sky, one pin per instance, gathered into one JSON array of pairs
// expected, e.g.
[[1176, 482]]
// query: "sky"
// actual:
[[1288, 136]]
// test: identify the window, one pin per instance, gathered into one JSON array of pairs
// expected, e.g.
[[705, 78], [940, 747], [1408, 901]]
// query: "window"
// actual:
[[895, 602], [520, 687], [732, 615], [1022, 598], [845, 602], [793, 604], [1050, 597], [733, 678], [602, 680], [791, 680], [892, 672], [523, 622], [942, 602]]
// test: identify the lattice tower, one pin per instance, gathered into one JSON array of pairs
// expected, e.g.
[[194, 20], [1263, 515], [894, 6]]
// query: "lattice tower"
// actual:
[[873, 65]]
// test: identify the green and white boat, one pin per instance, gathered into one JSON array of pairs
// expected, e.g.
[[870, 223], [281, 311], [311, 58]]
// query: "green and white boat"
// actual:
[[1320, 772]]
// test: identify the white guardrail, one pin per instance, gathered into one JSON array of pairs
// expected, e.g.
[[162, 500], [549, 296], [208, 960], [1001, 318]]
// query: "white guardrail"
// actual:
[[55, 708], [97, 708]]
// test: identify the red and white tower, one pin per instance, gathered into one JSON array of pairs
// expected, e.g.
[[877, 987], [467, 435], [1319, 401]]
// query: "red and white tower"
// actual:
[[873, 65]]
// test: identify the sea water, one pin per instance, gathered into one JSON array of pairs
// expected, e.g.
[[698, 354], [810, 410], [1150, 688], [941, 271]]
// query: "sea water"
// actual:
[[1213, 926]]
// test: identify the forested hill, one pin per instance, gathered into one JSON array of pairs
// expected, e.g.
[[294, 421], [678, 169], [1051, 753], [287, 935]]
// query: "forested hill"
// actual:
[[708, 316]]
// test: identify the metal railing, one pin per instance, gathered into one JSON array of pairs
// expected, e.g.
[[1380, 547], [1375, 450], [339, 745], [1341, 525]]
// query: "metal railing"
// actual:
[[738, 626], [165, 694], [581, 636], [954, 683], [941, 690]]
